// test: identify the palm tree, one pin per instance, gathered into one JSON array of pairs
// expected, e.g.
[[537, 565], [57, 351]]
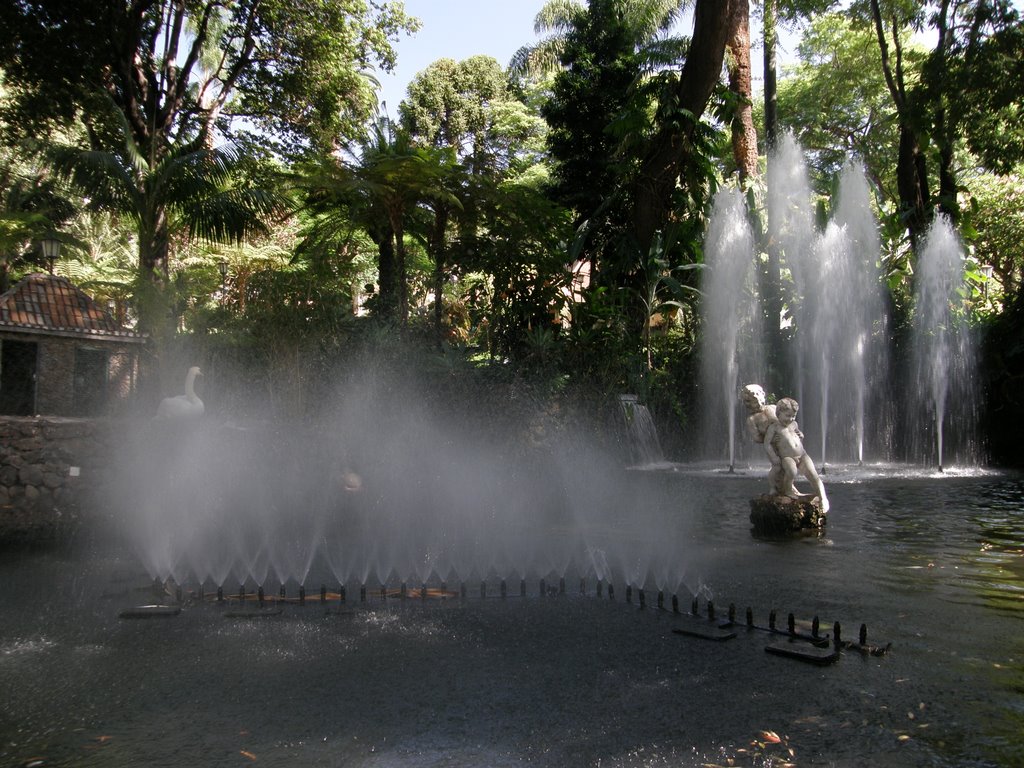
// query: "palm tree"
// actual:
[[378, 189], [190, 188], [647, 21]]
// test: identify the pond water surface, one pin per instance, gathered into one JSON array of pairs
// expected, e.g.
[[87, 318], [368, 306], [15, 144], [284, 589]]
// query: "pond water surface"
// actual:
[[933, 565]]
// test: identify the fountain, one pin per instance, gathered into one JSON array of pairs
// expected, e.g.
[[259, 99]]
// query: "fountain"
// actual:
[[730, 345], [944, 356], [840, 368], [391, 530], [487, 676]]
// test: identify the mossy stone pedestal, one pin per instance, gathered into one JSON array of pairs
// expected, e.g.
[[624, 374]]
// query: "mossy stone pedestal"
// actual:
[[775, 515]]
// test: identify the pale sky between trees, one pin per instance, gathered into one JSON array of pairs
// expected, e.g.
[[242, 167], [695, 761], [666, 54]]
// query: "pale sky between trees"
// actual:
[[458, 29]]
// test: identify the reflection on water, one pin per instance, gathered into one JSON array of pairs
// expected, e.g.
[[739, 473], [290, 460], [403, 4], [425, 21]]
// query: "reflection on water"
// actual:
[[933, 565]]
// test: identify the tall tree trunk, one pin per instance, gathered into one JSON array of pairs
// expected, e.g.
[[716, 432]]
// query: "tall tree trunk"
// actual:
[[670, 148], [154, 257], [437, 247], [938, 73], [911, 167], [771, 91], [401, 273], [744, 135], [772, 276], [387, 296]]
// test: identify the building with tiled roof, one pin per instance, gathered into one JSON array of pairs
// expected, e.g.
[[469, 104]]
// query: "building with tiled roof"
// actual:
[[61, 354]]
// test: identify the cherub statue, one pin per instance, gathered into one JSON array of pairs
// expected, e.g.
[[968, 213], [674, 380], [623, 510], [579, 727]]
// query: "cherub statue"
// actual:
[[784, 445], [761, 416]]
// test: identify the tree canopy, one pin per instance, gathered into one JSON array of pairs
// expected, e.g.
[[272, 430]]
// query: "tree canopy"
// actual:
[[186, 71]]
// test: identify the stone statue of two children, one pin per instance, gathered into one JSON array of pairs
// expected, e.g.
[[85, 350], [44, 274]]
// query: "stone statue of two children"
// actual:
[[775, 427]]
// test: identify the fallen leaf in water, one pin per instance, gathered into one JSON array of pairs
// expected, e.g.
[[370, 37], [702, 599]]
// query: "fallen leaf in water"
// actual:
[[246, 753], [103, 739], [903, 737], [771, 737]]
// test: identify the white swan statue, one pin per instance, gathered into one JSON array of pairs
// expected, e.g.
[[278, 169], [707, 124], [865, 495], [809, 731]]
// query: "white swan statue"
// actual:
[[187, 406]]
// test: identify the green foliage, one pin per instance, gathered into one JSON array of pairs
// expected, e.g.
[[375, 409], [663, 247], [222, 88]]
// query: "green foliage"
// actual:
[[984, 83], [102, 261], [449, 104], [995, 204], [525, 256], [292, 68], [835, 100], [189, 188], [32, 207]]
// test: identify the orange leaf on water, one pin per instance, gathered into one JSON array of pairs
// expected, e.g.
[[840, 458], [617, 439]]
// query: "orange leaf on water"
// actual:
[[771, 737], [246, 753]]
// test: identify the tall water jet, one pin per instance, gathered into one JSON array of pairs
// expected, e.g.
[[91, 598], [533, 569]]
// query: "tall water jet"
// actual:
[[733, 331], [837, 306], [828, 340], [846, 337], [868, 334], [792, 230], [944, 357]]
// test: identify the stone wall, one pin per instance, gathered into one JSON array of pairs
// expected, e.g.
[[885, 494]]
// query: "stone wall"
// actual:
[[50, 469]]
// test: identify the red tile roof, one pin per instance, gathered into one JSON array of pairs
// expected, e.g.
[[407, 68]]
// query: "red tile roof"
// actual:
[[42, 303]]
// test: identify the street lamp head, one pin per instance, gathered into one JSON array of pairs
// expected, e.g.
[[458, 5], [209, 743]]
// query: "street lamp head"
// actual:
[[222, 267], [51, 250]]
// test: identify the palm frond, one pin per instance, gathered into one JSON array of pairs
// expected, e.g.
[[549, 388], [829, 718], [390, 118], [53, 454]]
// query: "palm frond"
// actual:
[[232, 214], [100, 175], [558, 16], [543, 58]]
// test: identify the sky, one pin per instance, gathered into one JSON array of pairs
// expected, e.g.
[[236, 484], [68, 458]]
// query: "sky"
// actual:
[[458, 29]]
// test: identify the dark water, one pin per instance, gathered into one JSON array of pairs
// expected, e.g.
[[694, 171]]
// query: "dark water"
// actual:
[[932, 565]]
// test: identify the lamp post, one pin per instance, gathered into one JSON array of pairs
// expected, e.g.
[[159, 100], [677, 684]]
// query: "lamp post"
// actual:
[[222, 267], [986, 271], [51, 250]]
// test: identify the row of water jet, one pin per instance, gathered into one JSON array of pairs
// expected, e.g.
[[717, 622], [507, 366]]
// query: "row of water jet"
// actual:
[[844, 327], [385, 493], [837, 360]]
